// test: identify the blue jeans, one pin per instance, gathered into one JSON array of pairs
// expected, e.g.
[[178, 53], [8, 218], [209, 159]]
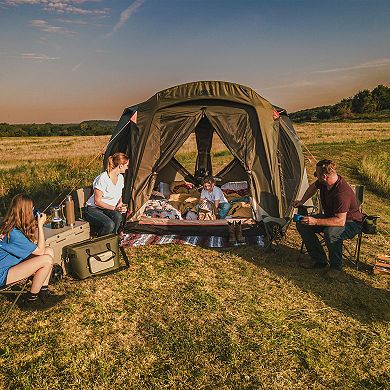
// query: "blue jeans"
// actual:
[[103, 221], [333, 235], [224, 208]]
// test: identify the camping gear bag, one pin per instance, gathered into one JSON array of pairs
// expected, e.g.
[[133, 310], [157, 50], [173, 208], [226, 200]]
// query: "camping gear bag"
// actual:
[[369, 224], [95, 256]]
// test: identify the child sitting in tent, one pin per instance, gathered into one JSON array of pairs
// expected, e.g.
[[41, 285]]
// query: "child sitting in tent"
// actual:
[[212, 199]]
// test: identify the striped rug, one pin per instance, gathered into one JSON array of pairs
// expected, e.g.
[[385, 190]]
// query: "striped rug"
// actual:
[[135, 240]]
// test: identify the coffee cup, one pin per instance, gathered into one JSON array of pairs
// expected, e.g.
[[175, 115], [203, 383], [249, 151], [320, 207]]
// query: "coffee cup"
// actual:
[[297, 218]]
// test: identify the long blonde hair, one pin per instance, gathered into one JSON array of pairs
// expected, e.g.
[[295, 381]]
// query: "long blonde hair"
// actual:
[[20, 216], [116, 159]]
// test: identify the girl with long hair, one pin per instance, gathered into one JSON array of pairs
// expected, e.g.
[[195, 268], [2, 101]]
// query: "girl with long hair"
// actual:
[[23, 252], [104, 208]]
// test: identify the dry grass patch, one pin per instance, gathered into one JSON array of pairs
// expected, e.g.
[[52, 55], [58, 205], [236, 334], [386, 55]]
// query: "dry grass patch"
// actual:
[[14, 151], [315, 133], [193, 318]]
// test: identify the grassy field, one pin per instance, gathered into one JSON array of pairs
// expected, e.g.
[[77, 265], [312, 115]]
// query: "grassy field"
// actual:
[[376, 170], [190, 318]]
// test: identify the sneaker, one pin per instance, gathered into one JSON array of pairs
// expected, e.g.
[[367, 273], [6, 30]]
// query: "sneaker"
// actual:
[[38, 304], [313, 265], [333, 274], [48, 298], [31, 304], [44, 295]]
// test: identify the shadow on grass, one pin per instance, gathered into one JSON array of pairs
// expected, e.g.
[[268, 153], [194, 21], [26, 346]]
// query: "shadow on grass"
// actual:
[[352, 295]]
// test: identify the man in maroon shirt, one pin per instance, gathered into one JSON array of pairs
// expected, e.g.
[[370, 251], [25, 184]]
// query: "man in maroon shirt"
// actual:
[[340, 220]]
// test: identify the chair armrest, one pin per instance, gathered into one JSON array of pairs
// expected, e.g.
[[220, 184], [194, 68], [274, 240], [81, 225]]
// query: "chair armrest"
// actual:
[[307, 210]]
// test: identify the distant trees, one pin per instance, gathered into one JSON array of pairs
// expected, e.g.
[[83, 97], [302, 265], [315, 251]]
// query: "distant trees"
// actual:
[[49, 129], [342, 108], [363, 103], [381, 95]]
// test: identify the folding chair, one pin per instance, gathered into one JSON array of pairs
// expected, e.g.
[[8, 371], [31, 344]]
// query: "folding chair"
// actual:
[[369, 226], [275, 229], [352, 252], [80, 196], [15, 290]]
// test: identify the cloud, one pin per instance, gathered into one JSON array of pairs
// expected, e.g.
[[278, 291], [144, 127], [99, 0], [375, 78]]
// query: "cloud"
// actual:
[[366, 65], [21, 2], [78, 22], [70, 21], [294, 84], [62, 6], [125, 15], [76, 67], [68, 7], [44, 26], [38, 57], [97, 51]]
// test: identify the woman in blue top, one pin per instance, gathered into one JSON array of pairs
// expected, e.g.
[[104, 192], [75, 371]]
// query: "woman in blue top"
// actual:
[[20, 256]]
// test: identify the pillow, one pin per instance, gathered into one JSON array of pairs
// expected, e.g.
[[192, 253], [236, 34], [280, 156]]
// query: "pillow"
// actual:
[[235, 185]]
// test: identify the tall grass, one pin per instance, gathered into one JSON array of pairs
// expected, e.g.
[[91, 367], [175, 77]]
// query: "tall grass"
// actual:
[[376, 170], [45, 181]]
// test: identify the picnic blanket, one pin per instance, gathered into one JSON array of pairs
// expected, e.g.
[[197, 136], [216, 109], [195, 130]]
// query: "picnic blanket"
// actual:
[[135, 240]]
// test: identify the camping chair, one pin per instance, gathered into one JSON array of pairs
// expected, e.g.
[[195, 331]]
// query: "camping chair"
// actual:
[[80, 196], [275, 229], [352, 246], [15, 290], [369, 226]]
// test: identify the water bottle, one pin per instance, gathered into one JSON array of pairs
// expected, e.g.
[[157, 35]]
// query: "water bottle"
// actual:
[[69, 211]]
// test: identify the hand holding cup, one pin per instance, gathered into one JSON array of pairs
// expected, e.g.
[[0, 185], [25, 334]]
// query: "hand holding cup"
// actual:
[[122, 208]]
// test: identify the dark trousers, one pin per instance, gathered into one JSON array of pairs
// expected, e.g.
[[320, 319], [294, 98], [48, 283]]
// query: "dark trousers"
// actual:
[[333, 235], [103, 221]]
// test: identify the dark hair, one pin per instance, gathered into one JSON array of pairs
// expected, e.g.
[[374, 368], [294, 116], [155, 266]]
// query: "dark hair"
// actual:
[[208, 179], [328, 167]]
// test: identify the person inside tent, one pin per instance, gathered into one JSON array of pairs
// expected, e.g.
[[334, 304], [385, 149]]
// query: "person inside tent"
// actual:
[[104, 208], [212, 198], [23, 253]]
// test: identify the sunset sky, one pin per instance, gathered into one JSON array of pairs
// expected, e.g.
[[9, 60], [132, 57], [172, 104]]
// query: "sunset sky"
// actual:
[[67, 61]]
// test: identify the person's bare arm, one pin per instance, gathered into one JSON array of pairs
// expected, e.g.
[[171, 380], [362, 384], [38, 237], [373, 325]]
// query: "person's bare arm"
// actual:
[[41, 236], [97, 196], [311, 190], [338, 220]]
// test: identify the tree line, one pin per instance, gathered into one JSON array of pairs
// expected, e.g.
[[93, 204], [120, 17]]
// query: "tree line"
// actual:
[[365, 104], [94, 127]]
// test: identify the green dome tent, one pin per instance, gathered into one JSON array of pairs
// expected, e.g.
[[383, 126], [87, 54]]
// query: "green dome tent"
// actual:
[[266, 150]]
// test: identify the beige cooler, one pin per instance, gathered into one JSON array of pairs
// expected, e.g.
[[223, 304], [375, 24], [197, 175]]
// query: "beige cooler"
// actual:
[[58, 238]]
